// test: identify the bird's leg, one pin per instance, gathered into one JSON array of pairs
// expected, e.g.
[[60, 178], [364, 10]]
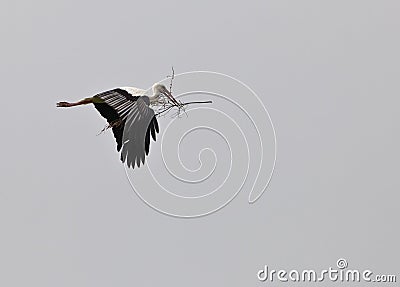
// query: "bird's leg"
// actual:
[[82, 102]]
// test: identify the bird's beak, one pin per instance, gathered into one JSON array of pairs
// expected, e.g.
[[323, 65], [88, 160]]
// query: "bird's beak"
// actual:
[[169, 96]]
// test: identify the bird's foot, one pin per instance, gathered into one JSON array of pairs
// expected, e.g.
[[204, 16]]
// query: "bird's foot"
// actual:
[[63, 105]]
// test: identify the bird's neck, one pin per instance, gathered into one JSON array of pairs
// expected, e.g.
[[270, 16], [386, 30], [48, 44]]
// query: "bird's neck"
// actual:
[[153, 98]]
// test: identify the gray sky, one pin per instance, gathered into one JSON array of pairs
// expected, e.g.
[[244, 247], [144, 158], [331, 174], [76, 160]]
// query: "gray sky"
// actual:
[[327, 72]]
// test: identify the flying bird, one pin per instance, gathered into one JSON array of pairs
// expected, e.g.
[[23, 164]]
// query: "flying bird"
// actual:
[[130, 115]]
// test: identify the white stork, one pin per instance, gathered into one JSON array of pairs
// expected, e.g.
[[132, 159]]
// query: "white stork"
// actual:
[[128, 112]]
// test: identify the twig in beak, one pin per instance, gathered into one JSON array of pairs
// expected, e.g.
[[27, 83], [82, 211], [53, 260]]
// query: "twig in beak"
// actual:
[[171, 98], [181, 106], [172, 78]]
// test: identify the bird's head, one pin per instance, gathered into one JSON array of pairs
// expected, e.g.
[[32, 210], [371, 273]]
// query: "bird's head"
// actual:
[[160, 89]]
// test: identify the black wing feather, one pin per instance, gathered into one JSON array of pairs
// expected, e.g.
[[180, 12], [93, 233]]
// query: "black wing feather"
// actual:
[[115, 105], [110, 107], [112, 117], [147, 142]]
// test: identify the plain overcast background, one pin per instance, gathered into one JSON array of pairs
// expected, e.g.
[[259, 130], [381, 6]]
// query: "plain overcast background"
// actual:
[[328, 72]]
